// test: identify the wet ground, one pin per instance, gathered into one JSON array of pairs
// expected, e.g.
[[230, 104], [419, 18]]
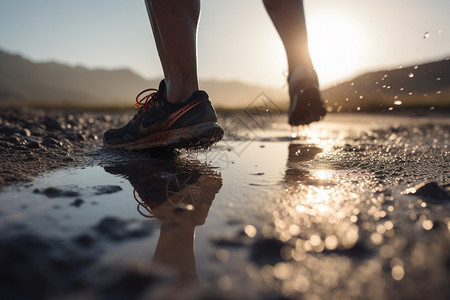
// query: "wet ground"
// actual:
[[354, 207]]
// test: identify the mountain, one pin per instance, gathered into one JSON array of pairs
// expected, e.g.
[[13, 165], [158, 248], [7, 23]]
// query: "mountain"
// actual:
[[426, 85], [25, 82]]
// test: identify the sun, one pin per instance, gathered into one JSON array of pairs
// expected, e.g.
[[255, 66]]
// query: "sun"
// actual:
[[336, 44]]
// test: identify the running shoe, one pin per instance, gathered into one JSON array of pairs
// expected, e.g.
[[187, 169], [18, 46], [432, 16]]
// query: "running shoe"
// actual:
[[306, 104], [161, 124], [176, 189]]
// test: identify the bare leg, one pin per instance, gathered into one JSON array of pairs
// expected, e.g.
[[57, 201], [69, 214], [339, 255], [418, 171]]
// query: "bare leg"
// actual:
[[306, 104], [289, 19], [174, 24]]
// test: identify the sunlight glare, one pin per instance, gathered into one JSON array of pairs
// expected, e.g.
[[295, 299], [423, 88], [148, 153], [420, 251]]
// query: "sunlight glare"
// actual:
[[336, 45]]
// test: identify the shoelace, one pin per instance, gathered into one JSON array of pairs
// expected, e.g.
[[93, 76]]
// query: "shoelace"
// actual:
[[147, 100], [142, 205]]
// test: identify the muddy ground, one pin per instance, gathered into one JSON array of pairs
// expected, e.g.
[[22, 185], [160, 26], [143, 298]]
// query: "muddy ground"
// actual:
[[347, 209]]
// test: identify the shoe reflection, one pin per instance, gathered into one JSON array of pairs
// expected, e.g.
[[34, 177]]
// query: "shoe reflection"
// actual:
[[178, 193], [297, 154]]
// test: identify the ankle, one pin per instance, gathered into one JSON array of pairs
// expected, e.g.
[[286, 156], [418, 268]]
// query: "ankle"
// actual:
[[304, 65], [179, 92]]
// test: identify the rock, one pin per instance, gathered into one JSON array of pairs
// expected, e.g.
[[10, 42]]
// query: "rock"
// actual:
[[266, 251], [75, 137], [7, 130], [12, 140], [106, 189], [431, 190], [51, 142], [77, 202], [52, 124], [21, 132], [5, 145], [53, 192], [27, 132], [33, 145]]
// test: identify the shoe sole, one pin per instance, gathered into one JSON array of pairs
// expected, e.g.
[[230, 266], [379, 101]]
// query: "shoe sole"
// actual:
[[306, 112], [193, 137]]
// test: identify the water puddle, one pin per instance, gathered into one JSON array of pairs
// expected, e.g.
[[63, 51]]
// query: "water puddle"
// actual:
[[266, 211]]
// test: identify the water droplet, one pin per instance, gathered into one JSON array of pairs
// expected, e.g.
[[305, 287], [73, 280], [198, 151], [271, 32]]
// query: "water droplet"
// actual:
[[358, 108], [331, 242], [398, 102], [250, 230], [389, 225], [416, 67], [411, 75], [427, 224], [376, 238], [391, 108], [426, 35], [398, 272]]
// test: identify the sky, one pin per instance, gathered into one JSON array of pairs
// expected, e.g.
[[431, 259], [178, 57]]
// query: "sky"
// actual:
[[236, 39]]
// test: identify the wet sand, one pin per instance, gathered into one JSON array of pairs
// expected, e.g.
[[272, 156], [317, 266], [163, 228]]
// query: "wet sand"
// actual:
[[354, 207]]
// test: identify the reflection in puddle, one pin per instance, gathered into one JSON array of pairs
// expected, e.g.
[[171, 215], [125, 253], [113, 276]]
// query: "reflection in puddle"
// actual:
[[298, 153], [178, 194]]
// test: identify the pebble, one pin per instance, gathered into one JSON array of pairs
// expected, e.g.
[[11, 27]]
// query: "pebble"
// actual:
[[266, 251], [106, 189], [51, 142], [34, 145], [53, 192], [77, 203], [5, 145], [51, 124]]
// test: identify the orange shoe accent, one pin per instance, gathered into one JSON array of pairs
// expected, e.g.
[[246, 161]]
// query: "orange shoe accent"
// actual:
[[146, 101]]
